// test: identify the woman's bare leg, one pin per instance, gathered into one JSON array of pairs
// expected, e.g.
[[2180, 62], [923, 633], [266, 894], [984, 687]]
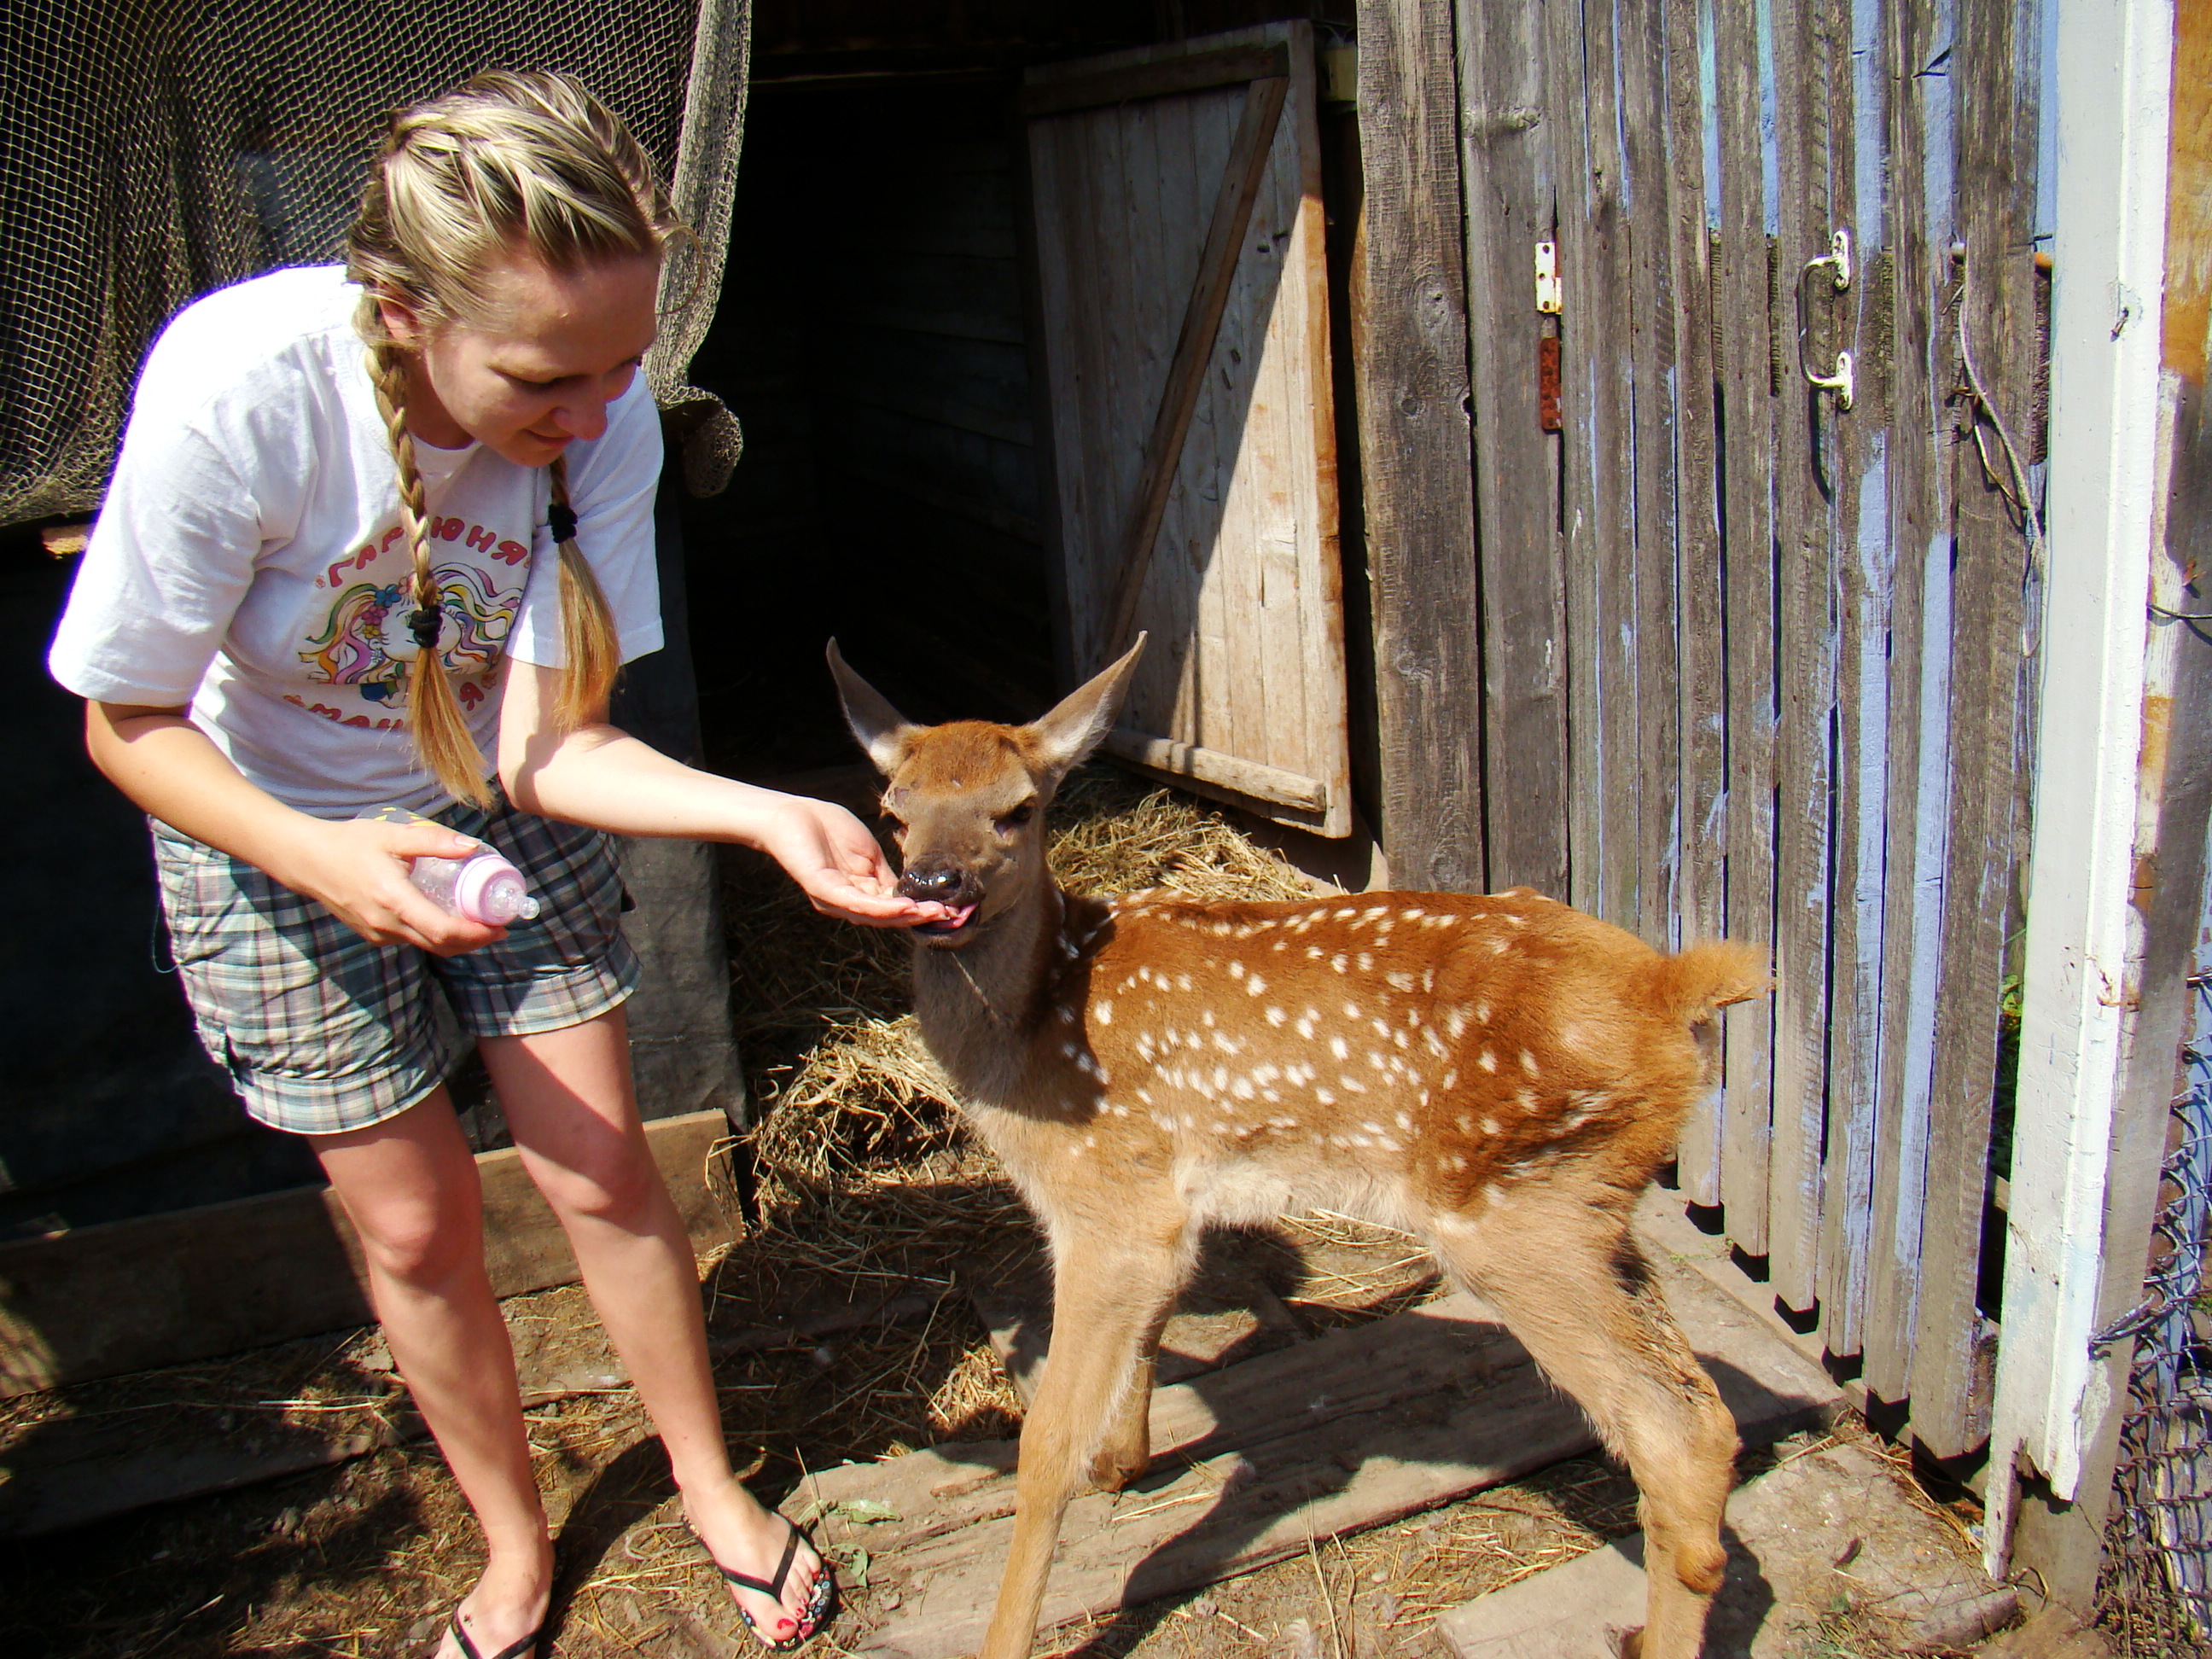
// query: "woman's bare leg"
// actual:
[[567, 1098], [410, 1186]]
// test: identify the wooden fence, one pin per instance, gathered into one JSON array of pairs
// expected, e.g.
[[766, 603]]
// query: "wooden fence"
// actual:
[[1755, 655]]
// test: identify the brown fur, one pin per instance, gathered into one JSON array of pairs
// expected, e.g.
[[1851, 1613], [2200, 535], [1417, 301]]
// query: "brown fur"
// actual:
[[1500, 1075]]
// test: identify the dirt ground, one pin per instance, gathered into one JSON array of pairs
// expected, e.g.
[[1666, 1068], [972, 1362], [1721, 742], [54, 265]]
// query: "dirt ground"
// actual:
[[866, 1193], [363, 1558]]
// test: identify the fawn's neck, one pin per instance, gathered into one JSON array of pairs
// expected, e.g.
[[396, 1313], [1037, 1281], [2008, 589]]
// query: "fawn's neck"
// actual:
[[981, 1004]]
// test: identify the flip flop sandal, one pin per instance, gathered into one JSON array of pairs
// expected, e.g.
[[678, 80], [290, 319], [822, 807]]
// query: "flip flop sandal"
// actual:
[[514, 1650], [820, 1608]]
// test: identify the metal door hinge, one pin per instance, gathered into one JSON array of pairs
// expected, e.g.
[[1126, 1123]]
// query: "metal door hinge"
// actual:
[[1549, 290]]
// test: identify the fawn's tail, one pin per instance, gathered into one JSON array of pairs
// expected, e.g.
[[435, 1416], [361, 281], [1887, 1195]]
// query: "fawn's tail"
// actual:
[[1709, 975]]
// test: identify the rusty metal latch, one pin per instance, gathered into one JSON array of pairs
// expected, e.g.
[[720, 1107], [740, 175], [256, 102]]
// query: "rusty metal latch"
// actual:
[[1838, 259], [1549, 289]]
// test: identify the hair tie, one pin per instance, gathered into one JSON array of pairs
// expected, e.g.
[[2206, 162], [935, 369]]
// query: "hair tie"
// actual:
[[423, 624], [561, 519]]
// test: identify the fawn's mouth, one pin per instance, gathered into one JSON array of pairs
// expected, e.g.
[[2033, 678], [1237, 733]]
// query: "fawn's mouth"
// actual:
[[954, 926]]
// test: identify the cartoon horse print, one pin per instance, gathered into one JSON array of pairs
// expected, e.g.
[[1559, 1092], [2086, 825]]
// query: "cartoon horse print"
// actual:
[[352, 647]]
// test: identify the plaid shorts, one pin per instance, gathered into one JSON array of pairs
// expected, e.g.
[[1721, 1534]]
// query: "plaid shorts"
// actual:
[[323, 1032]]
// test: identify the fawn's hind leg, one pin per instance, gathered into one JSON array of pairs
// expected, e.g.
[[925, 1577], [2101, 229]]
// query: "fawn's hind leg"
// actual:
[[1569, 1281]]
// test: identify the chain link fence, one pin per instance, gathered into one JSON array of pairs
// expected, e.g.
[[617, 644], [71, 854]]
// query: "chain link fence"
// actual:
[[2157, 1591]]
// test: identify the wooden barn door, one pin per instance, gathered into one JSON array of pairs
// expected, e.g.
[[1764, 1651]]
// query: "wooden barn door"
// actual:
[[1184, 313]]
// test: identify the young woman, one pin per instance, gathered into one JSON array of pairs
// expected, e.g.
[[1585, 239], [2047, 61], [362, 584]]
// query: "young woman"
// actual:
[[370, 527]]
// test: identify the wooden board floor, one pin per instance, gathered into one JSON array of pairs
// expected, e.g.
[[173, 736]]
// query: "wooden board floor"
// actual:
[[1252, 1461]]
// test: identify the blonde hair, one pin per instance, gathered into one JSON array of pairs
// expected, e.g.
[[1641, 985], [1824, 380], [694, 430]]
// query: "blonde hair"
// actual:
[[509, 161]]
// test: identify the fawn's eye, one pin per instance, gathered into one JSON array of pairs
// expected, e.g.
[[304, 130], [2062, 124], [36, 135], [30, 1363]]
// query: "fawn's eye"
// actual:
[[1011, 821]]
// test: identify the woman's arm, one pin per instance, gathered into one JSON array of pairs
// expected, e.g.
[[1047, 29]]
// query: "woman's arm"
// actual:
[[604, 777], [166, 764]]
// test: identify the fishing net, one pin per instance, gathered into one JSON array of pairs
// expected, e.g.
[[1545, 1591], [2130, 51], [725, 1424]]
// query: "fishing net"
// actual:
[[157, 149]]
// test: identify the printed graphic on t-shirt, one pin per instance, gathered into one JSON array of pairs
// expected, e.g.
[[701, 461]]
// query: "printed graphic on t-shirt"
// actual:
[[351, 646]]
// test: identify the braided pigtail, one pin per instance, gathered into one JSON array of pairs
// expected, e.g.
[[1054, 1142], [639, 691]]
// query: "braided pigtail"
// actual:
[[590, 654], [443, 741], [511, 161]]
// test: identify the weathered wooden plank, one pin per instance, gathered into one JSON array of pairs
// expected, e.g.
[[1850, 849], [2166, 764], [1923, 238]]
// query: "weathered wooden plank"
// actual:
[[1581, 88], [1701, 890], [1409, 334], [1182, 141], [1290, 589], [1654, 359], [128, 1296], [74, 1470], [1742, 327], [1996, 170], [67, 1472], [1863, 559], [1345, 1430], [1185, 762], [1215, 491], [1917, 133], [1506, 155], [1312, 573], [1058, 90], [1797, 67], [1584, 229], [1248, 153]]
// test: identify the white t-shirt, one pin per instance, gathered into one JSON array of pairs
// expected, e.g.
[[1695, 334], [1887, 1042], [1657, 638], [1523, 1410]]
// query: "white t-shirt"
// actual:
[[249, 559]]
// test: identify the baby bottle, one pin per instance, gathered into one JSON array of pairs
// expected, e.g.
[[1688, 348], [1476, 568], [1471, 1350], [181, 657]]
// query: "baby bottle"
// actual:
[[483, 886]]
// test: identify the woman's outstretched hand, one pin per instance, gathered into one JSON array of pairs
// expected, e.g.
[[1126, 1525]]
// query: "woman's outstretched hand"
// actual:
[[838, 865]]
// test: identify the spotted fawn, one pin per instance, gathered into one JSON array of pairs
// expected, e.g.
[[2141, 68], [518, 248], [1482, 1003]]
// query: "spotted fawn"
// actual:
[[1500, 1076]]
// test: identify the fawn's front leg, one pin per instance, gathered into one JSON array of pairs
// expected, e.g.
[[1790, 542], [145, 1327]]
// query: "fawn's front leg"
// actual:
[[1111, 1291]]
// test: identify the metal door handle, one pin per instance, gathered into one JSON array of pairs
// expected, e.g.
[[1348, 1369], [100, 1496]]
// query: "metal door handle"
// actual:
[[1838, 259]]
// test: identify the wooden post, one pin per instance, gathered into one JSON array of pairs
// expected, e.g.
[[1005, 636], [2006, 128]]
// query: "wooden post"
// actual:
[[1744, 337], [1806, 428], [2125, 781], [1864, 562], [1506, 151], [1657, 362], [1701, 888], [1409, 332], [1992, 322], [1914, 823], [1591, 235]]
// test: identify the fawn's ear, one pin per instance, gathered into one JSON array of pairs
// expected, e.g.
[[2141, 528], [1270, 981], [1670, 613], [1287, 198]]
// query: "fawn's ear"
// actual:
[[1071, 731], [882, 730]]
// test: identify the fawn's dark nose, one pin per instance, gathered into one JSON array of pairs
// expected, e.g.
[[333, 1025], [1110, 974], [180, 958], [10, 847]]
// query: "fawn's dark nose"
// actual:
[[924, 886]]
